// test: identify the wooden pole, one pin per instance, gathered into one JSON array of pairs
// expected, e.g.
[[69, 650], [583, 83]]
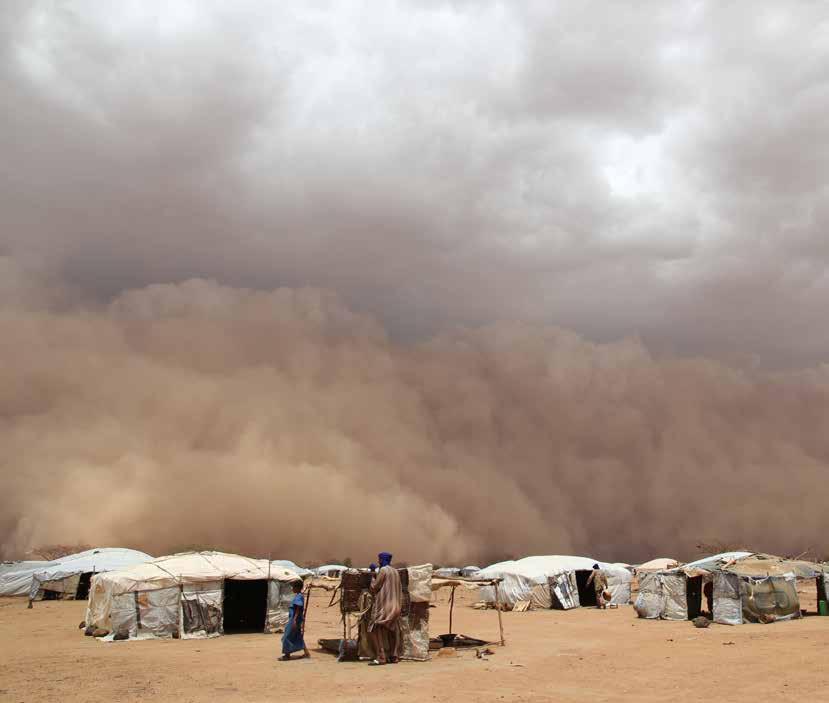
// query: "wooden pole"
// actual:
[[451, 609], [305, 610], [268, 595], [498, 608]]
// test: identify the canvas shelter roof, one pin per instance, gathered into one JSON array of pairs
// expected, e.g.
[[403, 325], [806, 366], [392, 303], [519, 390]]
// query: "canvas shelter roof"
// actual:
[[759, 565], [658, 564], [92, 560], [325, 568], [192, 568]]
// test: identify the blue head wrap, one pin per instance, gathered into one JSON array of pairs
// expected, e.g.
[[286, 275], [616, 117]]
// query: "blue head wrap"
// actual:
[[384, 558]]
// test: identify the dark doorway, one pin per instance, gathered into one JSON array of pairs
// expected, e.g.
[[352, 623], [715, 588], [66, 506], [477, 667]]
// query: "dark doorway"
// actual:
[[51, 595], [82, 593], [587, 594], [693, 596], [244, 606]]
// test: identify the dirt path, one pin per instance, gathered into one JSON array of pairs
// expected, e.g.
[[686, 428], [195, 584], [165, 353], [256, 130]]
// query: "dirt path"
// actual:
[[581, 655]]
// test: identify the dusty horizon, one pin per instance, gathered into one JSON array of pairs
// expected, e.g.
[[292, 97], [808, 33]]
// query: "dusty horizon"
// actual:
[[456, 280]]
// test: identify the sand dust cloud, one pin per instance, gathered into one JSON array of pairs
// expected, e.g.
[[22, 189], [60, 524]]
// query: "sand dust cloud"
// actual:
[[284, 422]]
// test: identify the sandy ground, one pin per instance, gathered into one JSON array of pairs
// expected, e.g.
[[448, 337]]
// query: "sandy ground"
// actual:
[[580, 655]]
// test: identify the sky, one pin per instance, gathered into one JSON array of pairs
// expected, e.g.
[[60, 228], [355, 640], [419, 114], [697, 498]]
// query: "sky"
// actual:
[[508, 207]]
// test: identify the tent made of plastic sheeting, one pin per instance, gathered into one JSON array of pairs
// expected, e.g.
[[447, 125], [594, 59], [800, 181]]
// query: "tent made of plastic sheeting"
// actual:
[[553, 581], [745, 587], [468, 571], [447, 572], [16, 576], [68, 578], [332, 571], [191, 595]]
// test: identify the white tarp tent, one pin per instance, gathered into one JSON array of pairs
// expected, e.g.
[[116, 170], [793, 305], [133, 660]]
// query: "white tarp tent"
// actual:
[[62, 577], [330, 570], [188, 596], [529, 579], [16, 576]]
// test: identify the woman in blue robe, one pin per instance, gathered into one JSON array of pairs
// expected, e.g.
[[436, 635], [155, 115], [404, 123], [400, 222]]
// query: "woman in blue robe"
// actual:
[[292, 639]]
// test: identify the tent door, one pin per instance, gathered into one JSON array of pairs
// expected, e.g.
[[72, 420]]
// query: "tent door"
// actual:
[[564, 592], [693, 596]]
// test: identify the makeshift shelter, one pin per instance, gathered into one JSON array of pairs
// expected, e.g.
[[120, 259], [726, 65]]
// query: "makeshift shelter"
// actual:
[[744, 587], [16, 576], [355, 600], [68, 578], [332, 571], [470, 571], [447, 572], [190, 595], [555, 581]]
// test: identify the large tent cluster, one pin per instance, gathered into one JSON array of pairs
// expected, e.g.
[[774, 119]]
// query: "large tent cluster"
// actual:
[[195, 594], [738, 586]]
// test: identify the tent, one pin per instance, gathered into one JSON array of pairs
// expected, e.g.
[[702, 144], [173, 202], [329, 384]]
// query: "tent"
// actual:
[[468, 571], [68, 578], [333, 571], [191, 595], [447, 572], [745, 587], [553, 581], [16, 576], [292, 566]]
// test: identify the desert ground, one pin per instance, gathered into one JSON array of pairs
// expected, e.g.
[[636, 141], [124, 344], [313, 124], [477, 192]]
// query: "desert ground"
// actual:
[[580, 655]]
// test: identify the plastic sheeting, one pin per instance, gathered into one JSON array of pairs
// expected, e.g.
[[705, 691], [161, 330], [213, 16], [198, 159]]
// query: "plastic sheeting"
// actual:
[[521, 579], [564, 591], [414, 630], [650, 602], [770, 599], [158, 612], [676, 602], [420, 583], [16, 576], [728, 607], [280, 595], [201, 610]]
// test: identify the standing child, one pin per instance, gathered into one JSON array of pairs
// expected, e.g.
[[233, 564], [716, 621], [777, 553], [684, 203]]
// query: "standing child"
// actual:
[[292, 639]]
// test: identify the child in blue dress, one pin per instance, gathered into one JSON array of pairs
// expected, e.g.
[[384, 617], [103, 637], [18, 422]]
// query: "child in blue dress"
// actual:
[[292, 639]]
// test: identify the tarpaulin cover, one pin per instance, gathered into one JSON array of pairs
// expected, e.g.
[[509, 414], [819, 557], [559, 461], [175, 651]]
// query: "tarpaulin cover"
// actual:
[[16, 576], [650, 602], [770, 599], [674, 590], [728, 608], [201, 610], [564, 591], [158, 612], [528, 579]]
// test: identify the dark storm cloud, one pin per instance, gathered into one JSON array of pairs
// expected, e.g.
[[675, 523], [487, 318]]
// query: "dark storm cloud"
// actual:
[[613, 168]]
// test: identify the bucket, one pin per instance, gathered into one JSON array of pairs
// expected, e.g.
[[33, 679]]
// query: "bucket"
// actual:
[[823, 607]]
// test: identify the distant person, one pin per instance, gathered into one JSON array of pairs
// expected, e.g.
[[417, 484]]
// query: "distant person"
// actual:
[[384, 623], [292, 639], [599, 580]]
